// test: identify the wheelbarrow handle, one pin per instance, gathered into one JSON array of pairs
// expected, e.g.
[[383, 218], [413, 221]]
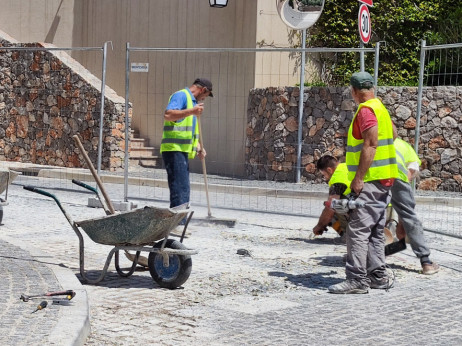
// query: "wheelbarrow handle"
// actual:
[[85, 186], [44, 193], [37, 190]]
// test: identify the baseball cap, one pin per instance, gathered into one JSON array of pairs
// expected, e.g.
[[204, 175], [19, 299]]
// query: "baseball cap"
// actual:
[[362, 80], [205, 83]]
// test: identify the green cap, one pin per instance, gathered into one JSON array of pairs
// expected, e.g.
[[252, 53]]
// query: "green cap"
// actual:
[[362, 80]]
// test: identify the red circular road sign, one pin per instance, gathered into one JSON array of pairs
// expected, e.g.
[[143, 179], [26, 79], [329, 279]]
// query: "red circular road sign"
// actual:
[[364, 24]]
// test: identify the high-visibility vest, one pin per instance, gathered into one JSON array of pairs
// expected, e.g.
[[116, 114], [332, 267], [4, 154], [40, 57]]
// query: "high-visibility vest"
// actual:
[[181, 135], [384, 164], [405, 154], [340, 176]]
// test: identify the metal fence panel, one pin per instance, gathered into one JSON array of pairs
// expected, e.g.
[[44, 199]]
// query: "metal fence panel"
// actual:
[[440, 65]]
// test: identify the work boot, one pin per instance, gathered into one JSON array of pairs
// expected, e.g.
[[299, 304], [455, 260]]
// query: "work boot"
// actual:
[[349, 287], [430, 268], [382, 283]]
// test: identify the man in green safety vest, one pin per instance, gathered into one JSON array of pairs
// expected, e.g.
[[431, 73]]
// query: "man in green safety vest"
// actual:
[[372, 169], [403, 201], [180, 139], [336, 174]]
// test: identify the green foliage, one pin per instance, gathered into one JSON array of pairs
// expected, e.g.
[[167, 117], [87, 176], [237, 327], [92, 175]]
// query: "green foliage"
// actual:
[[401, 24]]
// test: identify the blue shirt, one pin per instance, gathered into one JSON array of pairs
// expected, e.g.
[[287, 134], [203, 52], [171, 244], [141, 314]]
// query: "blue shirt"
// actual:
[[178, 100]]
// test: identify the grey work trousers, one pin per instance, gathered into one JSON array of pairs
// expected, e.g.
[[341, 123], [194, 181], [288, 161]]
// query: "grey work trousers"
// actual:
[[365, 237], [403, 201]]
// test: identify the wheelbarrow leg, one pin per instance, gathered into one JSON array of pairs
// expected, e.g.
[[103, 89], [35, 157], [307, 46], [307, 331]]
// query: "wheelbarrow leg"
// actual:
[[82, 259], [133, 267], [103, 272], [186, 225]]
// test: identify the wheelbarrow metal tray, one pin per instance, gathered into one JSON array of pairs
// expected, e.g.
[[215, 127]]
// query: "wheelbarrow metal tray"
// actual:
[[142, 226]]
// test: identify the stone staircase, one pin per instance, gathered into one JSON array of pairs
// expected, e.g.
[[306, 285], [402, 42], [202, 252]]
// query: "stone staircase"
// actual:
[[141, 154]]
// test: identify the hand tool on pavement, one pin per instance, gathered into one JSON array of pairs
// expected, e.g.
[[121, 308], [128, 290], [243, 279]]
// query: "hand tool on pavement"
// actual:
[[69, 295], [41, 306]]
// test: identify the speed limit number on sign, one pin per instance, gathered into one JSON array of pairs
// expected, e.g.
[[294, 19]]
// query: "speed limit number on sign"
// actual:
[[364, 24]]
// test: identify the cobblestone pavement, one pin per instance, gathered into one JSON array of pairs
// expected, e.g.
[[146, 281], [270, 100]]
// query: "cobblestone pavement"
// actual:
[[21, 275], [278, 295]]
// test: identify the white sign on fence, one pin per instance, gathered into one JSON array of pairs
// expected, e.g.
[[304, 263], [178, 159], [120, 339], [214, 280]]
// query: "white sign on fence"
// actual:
[[139, 67]]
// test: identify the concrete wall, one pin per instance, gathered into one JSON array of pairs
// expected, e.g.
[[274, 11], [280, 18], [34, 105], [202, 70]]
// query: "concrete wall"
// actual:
[[274, 69], [48, 21]]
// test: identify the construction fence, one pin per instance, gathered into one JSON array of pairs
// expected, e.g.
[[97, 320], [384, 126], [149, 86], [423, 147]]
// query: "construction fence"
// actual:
[[158, 72]]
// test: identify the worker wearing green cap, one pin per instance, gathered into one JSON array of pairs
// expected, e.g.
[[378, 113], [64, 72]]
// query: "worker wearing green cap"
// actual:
[[372, 168]]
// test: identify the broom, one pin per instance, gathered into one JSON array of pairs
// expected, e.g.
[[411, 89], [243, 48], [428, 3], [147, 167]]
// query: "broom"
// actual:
[[210, 218]]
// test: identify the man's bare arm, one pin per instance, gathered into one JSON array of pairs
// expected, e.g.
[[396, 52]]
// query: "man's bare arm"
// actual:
[[177, 114], [326, 216]]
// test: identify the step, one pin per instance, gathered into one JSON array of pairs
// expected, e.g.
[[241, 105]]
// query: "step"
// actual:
[[139, 143], [142, 152], [140, 156], [151, 150], [154, 162]]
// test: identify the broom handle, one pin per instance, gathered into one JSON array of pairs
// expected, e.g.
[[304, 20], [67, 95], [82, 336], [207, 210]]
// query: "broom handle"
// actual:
[[204, 170], [95, 175]]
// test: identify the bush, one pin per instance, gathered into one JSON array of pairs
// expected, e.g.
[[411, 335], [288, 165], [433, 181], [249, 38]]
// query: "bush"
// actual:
[[401, 24]]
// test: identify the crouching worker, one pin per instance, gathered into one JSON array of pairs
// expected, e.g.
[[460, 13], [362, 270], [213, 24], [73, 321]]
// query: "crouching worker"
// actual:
[[336, 174]]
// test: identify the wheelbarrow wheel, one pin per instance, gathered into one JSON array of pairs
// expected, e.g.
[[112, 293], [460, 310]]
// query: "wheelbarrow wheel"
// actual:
[[178, 270]]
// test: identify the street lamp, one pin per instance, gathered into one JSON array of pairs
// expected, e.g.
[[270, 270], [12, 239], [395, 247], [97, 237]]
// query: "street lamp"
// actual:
[[218, 3]]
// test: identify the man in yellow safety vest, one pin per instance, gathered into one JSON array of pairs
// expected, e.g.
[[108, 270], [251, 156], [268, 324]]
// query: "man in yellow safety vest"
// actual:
[[180, 139], [372, 169], [336, 174], [403, 201]]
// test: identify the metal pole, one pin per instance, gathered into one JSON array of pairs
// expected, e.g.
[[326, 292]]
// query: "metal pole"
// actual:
[[361, 57], [101, 113], [419, 101], [300, 108], [127, 120], [376, 65], [419, 96]]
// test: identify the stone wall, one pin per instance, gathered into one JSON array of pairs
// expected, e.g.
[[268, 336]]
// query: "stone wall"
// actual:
[[272, 130], [46, 97]]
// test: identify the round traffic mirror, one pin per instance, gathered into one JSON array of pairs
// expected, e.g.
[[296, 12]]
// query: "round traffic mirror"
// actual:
[[299, 14]]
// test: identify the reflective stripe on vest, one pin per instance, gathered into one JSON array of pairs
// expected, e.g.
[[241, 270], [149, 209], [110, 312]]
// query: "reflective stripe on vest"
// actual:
[[384, 164], [340, 176], [178, 135], [402, 170], [405, 154]]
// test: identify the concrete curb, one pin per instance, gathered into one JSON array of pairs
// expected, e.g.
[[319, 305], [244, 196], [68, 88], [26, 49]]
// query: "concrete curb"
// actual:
[[73, 325]]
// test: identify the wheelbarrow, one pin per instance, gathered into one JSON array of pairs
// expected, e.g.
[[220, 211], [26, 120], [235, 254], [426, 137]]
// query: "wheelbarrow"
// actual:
[[145, 229], [6, 178]]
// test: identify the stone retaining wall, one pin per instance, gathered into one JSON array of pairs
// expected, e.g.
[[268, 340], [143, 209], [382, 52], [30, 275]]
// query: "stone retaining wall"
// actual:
[[46, 97], [272, 130]]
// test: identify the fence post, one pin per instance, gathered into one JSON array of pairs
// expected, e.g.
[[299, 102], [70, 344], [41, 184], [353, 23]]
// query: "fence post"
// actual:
[[101, 114], [376, 65], [419, 96], [127, 120], [419, 101], [300, 108]]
